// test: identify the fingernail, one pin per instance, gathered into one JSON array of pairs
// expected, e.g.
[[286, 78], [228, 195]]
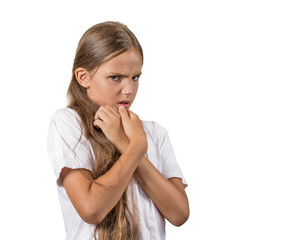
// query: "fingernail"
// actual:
[[121, 107]]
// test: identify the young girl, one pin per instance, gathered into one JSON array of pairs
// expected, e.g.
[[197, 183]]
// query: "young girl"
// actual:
[[117, 176]]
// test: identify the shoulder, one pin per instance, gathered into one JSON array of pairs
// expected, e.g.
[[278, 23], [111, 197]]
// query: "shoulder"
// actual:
[[66, 117], [153, 127], [66, 121], [154, 130], [65, 114]]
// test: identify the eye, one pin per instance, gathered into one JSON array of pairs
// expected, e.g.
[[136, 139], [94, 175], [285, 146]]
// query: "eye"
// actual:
[[135, 78], [114, 78]]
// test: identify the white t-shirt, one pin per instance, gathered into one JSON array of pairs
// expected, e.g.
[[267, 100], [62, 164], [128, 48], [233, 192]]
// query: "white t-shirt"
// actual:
[[65, 151]]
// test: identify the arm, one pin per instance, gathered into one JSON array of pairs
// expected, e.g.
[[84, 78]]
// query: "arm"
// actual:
[[169, 196], [93, 200]]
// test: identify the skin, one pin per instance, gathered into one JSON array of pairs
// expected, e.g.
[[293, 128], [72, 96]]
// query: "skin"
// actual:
[[125, 130]]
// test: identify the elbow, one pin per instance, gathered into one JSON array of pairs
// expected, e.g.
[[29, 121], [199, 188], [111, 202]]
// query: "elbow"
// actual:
[[92, 219], [91, 216], [180, 218]]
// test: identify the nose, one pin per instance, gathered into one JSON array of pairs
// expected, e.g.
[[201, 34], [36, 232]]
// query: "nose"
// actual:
[[128, 87]]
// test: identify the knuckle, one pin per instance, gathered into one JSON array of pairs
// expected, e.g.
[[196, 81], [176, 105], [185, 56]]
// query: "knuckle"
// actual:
[[96, 125], [97, 113]]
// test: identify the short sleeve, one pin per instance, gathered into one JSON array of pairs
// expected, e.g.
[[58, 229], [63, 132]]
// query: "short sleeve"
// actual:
[[67, 146], [169, 164]]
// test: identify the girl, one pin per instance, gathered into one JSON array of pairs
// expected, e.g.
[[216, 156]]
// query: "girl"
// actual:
[[117, 176]]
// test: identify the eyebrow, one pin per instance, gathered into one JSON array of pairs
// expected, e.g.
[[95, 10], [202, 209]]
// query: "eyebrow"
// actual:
[[123, 75]]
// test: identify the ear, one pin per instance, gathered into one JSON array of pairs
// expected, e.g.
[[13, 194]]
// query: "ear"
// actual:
[[82, 76]]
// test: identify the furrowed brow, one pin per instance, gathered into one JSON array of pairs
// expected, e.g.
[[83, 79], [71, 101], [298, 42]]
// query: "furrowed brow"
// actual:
[[118, 74], [123, 75]]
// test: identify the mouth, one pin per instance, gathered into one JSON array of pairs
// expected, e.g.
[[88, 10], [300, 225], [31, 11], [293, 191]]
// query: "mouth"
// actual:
[[126, 104]]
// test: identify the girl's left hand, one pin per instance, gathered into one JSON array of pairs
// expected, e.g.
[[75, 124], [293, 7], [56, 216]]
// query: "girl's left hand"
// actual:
[[108, 119]]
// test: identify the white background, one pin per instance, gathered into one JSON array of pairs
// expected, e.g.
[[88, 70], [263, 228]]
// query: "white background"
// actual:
[[224, 78]]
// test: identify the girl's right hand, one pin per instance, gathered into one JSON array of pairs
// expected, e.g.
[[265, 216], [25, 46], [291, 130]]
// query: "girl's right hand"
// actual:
[[134, 130]]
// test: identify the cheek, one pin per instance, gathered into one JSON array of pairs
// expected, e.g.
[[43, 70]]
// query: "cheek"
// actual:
[[100, 87], [98, 91], [136, 88], [106, 91]]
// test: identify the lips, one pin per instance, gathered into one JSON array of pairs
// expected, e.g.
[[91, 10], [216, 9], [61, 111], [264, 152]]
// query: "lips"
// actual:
[[124, 103]]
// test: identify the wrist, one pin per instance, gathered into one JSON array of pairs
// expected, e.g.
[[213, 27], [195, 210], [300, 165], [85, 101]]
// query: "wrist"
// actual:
[[123, 145], [136, 148]]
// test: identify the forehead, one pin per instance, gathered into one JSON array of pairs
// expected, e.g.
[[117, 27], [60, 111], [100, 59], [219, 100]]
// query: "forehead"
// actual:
[[129, 61]]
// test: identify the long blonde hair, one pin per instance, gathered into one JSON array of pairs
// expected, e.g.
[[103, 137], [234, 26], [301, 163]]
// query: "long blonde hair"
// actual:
[[97, 43]]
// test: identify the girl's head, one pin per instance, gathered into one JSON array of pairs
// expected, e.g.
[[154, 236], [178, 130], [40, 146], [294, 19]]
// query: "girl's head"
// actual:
[[106, 69], [107, 65]]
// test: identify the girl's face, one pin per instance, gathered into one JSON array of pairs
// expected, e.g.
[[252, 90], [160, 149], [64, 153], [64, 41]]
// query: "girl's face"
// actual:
[[115, 82]]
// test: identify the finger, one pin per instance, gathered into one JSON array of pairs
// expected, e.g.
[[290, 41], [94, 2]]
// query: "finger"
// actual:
[[109, 111], [123, 112], [113, 111], [97, 114], [132, 115], [98, 123], [101, 114], [115, 108]]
